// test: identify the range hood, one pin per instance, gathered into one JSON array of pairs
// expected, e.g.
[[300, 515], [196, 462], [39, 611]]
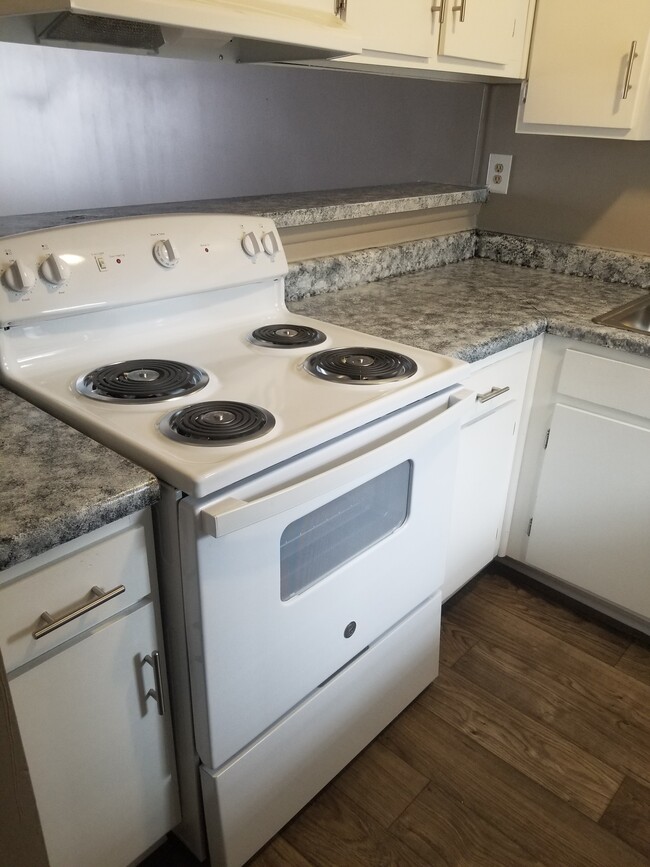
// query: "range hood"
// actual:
[[248, 31]]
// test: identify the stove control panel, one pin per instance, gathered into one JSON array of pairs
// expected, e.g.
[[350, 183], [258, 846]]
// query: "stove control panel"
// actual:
[[67, 270]]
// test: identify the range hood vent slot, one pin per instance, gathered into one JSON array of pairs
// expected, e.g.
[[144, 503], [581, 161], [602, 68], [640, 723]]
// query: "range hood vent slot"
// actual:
[[114, 32]]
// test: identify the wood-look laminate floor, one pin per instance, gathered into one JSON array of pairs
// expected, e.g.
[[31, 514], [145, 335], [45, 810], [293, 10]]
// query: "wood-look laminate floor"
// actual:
[[531, 748]]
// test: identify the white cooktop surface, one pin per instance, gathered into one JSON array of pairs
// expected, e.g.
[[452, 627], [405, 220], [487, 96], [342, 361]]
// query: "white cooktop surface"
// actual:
[[200, 312]]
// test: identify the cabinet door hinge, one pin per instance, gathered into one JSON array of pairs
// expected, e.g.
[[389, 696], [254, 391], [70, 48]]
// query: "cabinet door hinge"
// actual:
[[530, 527], [548, 433]]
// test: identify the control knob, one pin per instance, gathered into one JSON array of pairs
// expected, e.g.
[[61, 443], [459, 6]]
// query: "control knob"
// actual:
[[18, 277], [54, 270], [250, 244], [270, 243], [165, 253]]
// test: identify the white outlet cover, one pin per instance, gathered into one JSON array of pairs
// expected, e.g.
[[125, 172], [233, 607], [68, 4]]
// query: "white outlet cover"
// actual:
[[498, 173]]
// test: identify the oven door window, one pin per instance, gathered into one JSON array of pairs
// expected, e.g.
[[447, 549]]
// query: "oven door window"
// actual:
[[320, 542]]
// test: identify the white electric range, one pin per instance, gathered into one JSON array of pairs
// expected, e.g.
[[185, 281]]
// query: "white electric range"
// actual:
[[306, 472]]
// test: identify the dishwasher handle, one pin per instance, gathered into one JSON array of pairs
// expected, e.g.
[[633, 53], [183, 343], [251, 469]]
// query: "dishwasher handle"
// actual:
[[232, 514]]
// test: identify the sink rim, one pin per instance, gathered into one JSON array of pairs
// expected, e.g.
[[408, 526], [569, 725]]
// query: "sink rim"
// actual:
[[612, 318]]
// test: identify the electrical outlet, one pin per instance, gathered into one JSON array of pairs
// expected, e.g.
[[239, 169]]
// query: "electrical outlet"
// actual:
[[498, 173]]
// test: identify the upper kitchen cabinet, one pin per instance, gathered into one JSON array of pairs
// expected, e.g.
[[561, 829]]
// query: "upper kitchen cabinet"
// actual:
[[257, 30], [387, 29], [589, 73], [490, 33], [440, 38]]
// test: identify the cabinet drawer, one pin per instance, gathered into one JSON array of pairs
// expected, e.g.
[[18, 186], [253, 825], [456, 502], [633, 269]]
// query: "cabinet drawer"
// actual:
[[490, 382], [606, 382], [62, 584]]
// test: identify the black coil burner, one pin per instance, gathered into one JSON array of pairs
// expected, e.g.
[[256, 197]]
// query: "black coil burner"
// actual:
[[360, 365], [287, 335], [144, 380], [216, 423]]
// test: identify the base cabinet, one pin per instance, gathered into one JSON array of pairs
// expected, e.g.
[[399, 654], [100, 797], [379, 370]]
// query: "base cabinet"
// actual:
[[98, 749], [485, 463], [583, 504], [591, 520]]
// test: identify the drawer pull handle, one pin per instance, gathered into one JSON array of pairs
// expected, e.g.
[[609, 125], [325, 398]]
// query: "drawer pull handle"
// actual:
[[492, 393], [156, 693], [461, 9], [628, 72], [100, 598], [441, 9]]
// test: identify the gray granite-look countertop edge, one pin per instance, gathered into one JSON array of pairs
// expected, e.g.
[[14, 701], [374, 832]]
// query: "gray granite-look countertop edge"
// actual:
[[286, 209], [473, 309], [58, 484], [331, 273], [613, 266]]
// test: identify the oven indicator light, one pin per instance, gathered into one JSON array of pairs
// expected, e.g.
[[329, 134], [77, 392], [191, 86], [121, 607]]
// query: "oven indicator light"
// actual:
[[119, 261]]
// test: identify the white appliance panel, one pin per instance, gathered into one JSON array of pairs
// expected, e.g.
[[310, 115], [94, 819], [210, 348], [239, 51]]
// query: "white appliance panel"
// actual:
[[254, 795], [280, 651]]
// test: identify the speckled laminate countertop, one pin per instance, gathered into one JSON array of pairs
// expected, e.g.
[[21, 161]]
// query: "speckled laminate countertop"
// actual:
[[475, 308], [57, 484], [286, 209]]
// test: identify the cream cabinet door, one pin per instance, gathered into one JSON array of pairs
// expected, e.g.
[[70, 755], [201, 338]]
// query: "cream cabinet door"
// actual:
[[486, 454], [99, 753], [586, 63], [485, 458], [324, 7], [592, 511], [404, 28], [475, 37], [491, 31]]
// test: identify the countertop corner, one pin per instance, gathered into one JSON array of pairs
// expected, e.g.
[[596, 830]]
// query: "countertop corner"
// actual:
[[57, 483]]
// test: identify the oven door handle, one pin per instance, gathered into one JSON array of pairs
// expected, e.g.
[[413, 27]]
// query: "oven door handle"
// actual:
[[232, 514]]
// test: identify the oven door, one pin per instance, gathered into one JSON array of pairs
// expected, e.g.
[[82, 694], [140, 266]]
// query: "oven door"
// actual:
[[291, 575]]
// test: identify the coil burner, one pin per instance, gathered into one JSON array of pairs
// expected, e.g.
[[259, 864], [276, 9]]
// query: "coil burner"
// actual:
[[217, 423], [145, 380], [287, 336], [360, 365]]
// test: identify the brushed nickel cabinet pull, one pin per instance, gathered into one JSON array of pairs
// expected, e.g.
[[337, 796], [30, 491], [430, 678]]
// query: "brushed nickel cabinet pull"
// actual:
[[100, 595], [341, 8], [628, 71], [153, 659], [461, 9], [440, 8], [492, 393]]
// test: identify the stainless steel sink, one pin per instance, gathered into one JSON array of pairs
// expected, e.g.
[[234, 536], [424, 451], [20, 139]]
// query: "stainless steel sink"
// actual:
[[633, 316]]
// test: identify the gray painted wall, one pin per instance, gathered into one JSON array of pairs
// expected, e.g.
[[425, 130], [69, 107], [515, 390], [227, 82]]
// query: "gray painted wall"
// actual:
[[91, 129], [577, 190]]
